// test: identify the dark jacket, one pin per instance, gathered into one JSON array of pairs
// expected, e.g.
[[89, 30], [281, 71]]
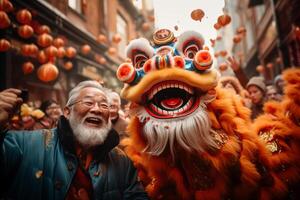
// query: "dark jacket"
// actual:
[[41, 164]]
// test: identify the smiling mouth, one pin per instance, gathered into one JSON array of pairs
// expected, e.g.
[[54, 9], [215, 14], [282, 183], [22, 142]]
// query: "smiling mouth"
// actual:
[[171, 99], [93, 121]]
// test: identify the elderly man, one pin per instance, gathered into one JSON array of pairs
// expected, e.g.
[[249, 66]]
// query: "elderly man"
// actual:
[[75, 160]]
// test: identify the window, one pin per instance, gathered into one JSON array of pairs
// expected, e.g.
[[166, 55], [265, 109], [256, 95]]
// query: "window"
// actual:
[[122, 30], [75, 5]]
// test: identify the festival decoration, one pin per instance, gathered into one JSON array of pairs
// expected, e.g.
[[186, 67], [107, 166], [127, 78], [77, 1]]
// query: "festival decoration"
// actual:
[[102, 38], [71, 52], [146, 26], [58, 42], [241, 30], [68, 65], [237, 38], [217, 26], [4, 20], [43, 29], [27, 68], [4, 45], [223, 20], [51, 52], [270, 65], [25, 31], [29, 50], [112, 51], [85, 49], [260, 69], [116, 38], [42, 57], [47, 72], [61, 52], [44, 40], [6, 6], [197, 14], [24, 16], [223, 53], [223, 67]]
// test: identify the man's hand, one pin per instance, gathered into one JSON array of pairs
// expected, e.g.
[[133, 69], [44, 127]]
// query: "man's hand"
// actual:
[[233, 63], [9, 101]]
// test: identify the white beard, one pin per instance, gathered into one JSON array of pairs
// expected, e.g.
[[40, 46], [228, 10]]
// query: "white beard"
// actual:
[[86, 136], [192, 132]]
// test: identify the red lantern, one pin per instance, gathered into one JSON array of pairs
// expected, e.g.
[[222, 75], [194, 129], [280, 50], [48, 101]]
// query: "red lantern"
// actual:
[[25, 31], [102, 39], [43, 29], [116, 38], [197, 14], [44, 40], [29, 50], [223, 53], [61, 52], [68, 65], [47, 72], [145, 26], [218, 37], [112, 51], [42, 58], [51, 51], [270, 65], [58, 42], [4, 45], [4, 20], [71, 52], [223, 20], [237, 38], [241, 30], [260, 68], [223, 67], [151, 18], [24, 16], [6, 6], [102, 61], [216, 54], [27, 68], [217, 26], [176, 28], [85, 49]]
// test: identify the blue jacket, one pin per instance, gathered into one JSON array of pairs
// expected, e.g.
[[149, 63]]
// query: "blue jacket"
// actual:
[[41, 165]]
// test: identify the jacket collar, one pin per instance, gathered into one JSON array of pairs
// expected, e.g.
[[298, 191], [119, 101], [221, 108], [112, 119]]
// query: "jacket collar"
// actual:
[[67, 140]]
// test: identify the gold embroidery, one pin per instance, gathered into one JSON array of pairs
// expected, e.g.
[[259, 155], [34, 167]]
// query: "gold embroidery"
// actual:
[[271, 143], [47, 137]]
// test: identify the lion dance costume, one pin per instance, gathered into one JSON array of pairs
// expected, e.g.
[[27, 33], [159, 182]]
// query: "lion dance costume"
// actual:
[[190, 139]]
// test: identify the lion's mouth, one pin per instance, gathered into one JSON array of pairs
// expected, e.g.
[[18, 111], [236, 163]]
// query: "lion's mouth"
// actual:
[[171, 99]]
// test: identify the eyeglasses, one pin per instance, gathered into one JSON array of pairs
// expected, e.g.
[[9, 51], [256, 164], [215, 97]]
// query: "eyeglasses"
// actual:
[[89, 103]]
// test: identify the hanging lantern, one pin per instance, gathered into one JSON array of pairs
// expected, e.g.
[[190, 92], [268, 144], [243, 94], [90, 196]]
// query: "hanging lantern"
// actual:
[[197, 14], [216, 54], [297, 32], [112, 51], [58, 42], [68, 65], [6, 6], [24, 16], [43, 29], [42, 58], [217, 26], [223, 66], [223, 20], [241, 30], [116, 38], [146, 26], [223, 53], [278, 60], [85, 49], [270, 66], [260, 69], [212, 41], [51, 51], [237, 38], [102, 39], [27, 68], [25, 31], [176, 28], [102, 61], [61, 52], [218, 37], [44, 40], [71, 52], [4, 20], [29, 50], [47, 72], [151, 18], [4, 45]]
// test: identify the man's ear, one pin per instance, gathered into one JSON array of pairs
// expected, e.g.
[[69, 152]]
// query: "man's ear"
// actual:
[[67, 111]]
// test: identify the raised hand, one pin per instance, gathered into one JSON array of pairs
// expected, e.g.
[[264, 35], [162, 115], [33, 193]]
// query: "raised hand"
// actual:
[[9, 100], [233, 63]]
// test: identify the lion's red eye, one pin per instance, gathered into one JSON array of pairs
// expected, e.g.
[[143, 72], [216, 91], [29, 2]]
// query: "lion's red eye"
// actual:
[[190, 51]]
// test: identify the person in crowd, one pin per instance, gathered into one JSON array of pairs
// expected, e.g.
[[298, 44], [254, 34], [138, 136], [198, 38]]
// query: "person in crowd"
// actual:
[[118, 119], [232, 84], [279, 83], [272, 94], [76, 160], [238, 71], [27, 120], [256, 88], [52, 110]]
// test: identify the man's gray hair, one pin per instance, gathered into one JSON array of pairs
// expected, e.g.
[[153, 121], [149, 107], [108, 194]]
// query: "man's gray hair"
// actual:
[[111, 95], [74, 93]]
